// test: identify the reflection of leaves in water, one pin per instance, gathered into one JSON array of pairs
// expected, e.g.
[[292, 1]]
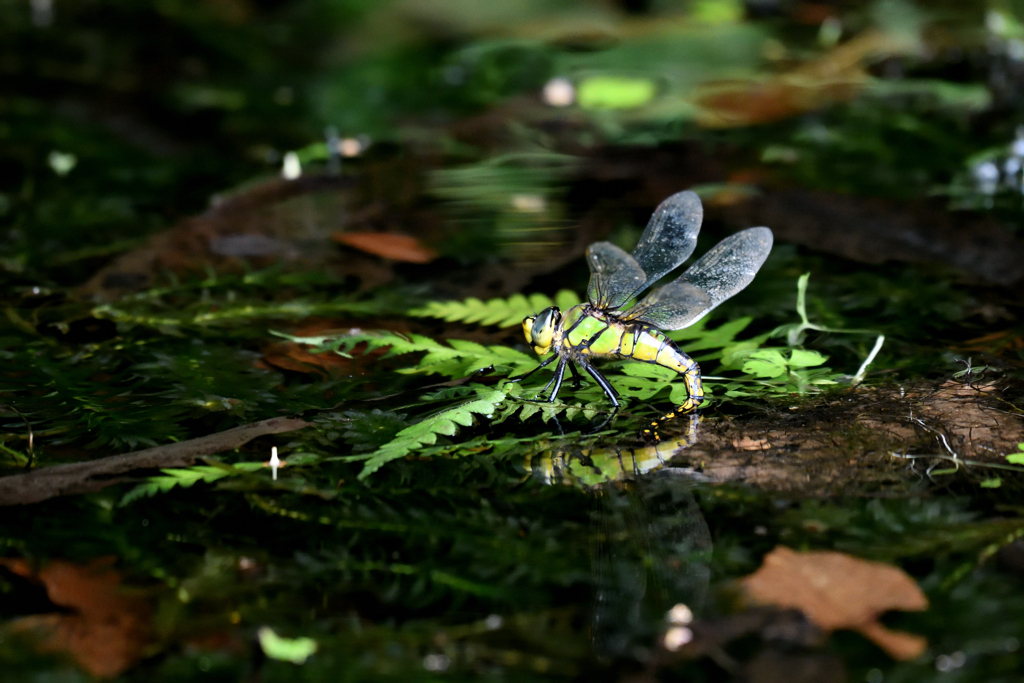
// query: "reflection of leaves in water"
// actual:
[[368, 431], [651, 551], [650, 547]]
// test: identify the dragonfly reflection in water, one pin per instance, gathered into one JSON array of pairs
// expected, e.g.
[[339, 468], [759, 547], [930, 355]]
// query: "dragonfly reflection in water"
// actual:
[[650, 545], [606, 327]]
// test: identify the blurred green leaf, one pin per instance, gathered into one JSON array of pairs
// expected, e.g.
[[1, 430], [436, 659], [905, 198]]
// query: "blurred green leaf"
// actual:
[[294, 650], [615, 92]]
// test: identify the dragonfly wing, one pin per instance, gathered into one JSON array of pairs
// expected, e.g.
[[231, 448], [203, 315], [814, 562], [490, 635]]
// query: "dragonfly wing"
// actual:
[[671, 307], [615, 276], [669, 237], [716, 276]]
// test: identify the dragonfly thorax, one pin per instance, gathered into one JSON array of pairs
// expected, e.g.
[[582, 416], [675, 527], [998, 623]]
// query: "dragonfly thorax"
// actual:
[[539, 329]]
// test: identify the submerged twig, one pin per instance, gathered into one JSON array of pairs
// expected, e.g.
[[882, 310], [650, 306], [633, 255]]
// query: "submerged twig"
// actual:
[[82, 477]]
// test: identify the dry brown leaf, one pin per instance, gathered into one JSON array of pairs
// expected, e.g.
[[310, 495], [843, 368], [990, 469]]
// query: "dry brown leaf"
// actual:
[[837, 76], [106, 631], [298, 358], [837, 591], [727, 104], [388, 245], [996, 343]]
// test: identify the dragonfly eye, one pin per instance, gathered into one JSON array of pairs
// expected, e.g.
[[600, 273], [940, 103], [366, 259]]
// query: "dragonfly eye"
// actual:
[[542, 329]]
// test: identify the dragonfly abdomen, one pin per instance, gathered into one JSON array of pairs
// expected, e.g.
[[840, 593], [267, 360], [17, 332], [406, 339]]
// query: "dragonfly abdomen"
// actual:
[[649, 345], [590, 335]]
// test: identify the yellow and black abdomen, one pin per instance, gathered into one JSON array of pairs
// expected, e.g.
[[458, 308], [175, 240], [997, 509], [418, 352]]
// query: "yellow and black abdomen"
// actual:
[[588, 334], [649, 345]]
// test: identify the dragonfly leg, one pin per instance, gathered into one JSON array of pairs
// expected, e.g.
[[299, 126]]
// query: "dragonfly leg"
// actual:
[[609, 390], [577, 381], [543, 364], [557, 380]]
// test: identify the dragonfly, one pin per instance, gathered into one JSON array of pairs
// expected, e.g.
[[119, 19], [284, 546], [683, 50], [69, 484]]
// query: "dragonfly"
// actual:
[[606, 326]]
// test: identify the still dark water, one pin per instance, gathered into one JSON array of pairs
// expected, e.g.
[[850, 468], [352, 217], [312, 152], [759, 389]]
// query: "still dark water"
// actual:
[[241, 230]]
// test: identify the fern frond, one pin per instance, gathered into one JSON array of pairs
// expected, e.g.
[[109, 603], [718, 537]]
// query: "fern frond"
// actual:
[[425, 432], [501, 312], [527, 409], [454, 358], [186, 477]]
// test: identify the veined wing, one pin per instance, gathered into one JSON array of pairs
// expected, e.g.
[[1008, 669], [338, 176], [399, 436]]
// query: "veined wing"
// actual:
[[615, 276], [716, 276], [668, 240], [670, 236]]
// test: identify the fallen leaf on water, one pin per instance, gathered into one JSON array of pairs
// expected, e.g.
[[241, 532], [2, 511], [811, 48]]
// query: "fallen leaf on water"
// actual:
[[298, 358], [105, 631], [388, 245], [837, 591]]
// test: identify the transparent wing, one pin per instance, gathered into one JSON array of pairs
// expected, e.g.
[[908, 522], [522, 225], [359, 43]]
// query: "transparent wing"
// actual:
[[668, 240], [672, 307], [615, 276], [669, 237], [716, 276]]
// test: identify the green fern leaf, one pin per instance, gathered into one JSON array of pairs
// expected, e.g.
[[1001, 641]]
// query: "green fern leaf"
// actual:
[[425, 433], [643, 380], [719, 337], [186, 477], [501, 312], [454, 358]]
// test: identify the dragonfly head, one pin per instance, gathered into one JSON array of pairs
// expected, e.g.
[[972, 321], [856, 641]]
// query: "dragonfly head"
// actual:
[[539, 329]]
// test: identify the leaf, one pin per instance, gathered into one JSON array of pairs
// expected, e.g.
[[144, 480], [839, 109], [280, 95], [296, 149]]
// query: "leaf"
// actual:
[[615, 92], [388, 245], [425, 432], [456, 358], [767, 363], [801, 358], [501, 312], [643, 380], [294, 650], [721, 336], [837, 591], [291, 356], [836, 76], [993, 483], [103, 629], [186, 477], [718, 11]]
